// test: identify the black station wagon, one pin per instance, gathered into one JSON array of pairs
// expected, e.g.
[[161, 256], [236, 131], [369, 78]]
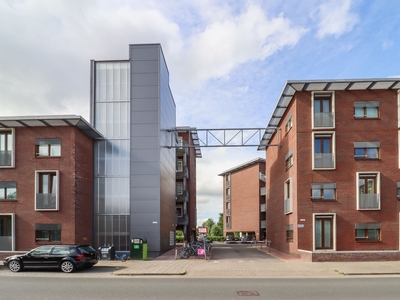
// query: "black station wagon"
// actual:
[[68, 258]]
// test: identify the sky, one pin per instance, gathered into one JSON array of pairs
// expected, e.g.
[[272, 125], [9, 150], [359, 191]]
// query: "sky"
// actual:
[[228, 60]]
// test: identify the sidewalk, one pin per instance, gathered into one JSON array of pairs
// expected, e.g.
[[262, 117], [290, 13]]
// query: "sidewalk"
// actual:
[[285, 266]]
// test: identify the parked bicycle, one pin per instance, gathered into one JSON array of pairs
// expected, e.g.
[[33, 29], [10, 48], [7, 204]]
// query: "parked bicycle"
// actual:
[[122, 257]]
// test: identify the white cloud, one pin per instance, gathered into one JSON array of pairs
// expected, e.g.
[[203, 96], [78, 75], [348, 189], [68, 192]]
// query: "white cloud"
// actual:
[[232, 40], [335, 18]]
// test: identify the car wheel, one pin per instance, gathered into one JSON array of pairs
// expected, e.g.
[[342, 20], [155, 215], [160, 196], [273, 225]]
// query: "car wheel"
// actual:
[[15, 266], [67, 266]]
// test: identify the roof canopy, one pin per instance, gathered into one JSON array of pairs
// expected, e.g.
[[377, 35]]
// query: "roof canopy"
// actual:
[[51, 121], [293, 86]]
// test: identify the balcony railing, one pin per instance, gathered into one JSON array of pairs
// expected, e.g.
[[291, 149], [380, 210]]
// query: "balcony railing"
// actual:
[[227, 183], [228, 197], [6, 243], [324, 119], [263, 191], [46, 201], [228, 225], [5, 158], [263, 177], [183, 220], [183, 197], [228, 211], [287, 206], [263, 207], [183, 174], [368, 201], [263, 224], [324, 160]]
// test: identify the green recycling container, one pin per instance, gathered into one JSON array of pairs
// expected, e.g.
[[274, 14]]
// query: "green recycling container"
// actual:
[[138, 249]]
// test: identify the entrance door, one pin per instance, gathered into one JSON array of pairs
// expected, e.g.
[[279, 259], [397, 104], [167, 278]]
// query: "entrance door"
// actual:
[[323, 232], [6, 237]]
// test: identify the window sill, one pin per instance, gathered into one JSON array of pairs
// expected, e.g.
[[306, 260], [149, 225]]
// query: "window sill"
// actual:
[[323, 200], [365, 118], [365, 158], [368, 241], [48, 243], [48, 156], [8, 200]]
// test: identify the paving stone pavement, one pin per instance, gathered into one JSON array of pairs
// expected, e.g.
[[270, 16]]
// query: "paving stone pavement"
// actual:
[[285, 266]]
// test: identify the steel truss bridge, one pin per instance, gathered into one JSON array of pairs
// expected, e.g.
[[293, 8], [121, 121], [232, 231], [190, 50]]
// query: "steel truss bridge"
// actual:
[[222, 137]]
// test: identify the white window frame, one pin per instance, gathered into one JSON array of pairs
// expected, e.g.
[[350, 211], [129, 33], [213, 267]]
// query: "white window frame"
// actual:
[[333, 137], [13, 148], [179, 165], [37, 188], [333, 231], [179, 191], [378, 188], [288, 199], [288, 123], [332, 93]]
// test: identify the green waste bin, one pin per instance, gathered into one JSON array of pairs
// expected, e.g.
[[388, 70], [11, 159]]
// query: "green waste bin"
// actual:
[[138, 248]]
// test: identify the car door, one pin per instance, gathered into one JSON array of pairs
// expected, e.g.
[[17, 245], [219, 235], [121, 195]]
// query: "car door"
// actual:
[[38, 257], [57, 255]]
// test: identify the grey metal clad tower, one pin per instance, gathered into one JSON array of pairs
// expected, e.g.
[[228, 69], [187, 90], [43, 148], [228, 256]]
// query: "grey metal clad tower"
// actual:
[[131, 105]]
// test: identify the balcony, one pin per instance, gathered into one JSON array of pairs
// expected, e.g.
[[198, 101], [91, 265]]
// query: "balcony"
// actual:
[[5, 158], [183, 174], [263, 207], [228, 211], [182, 151], [368, 201], [228, 197], [227, 183], [263, 178], [182, 220], [46, 201], [263, 224], [183, 197], [227, 225], [324, 160], [263, 191], [324, 119]]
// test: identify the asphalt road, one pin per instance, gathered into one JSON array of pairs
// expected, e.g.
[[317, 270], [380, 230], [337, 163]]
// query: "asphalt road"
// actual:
[[238, 252], [35, 288]]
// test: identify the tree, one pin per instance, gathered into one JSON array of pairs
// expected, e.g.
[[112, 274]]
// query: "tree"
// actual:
[[209, 223]]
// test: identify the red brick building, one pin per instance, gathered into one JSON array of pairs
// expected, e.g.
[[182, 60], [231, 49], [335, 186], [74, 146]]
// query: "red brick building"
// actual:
[[187, 152], [332, 170], [244, 200], [46, 181]]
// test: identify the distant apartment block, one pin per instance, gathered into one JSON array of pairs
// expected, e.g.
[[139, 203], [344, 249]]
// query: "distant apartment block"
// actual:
[[333, 183], [186, 154], [244, 200]]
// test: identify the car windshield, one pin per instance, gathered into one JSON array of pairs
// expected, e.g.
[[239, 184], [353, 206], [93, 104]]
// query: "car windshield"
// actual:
[[86, 249]]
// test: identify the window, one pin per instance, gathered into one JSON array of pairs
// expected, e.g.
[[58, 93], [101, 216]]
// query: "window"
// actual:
[[179, 211], [368, 185], [48, 147], [8, 190], [179, 165], [287, 197], [228, 208], [289, 159], [368, 232], [179, 188], [228, 180], [398, 190], [179, 142], [289, 233], [323, 232], [288, 124], [323, 191], [47, 190], [323, 110], [324, 156], [228, 194], [48, 233], [6, 148], [366, 150], [228, 222], [366, 109]]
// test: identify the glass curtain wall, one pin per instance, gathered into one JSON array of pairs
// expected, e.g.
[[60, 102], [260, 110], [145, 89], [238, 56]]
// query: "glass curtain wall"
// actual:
[[112, 119]]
